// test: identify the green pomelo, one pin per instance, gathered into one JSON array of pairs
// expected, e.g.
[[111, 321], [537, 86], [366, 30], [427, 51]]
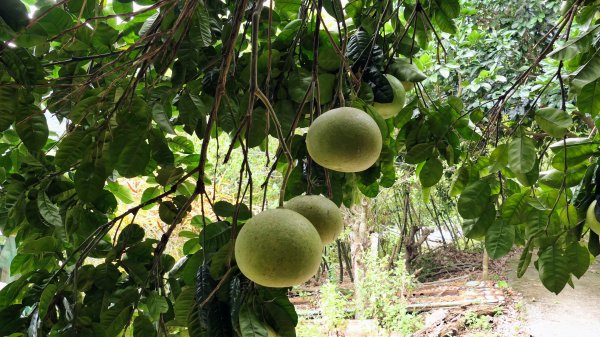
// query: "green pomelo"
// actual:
[[389, 110], [321, 212], [344, 140], [591, 220], [278, 248]]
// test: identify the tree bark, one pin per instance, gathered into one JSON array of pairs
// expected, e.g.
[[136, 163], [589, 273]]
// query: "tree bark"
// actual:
[[485, 265], [359, 238]]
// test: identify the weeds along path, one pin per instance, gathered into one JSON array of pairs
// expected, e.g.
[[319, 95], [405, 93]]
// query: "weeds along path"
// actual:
[[574, 312]]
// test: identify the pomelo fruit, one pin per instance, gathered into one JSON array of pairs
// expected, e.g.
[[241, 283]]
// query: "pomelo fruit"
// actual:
[[344, 140], [389, 110], [590, 218], [321, 212], [278, 248]]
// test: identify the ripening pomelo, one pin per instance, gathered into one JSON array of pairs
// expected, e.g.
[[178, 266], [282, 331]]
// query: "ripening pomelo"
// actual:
[[344, 140], [278, 248], [389, 110], [321, 212]]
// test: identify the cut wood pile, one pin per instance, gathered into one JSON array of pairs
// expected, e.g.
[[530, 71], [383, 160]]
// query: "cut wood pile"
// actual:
[[446, 304], [452, 321], [455, 292]]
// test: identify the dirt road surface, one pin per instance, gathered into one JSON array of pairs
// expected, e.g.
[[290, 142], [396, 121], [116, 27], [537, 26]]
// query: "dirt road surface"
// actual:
[[572, 313]]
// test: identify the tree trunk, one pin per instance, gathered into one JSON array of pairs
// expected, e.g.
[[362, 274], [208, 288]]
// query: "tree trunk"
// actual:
[[359, 238], [485, 266]]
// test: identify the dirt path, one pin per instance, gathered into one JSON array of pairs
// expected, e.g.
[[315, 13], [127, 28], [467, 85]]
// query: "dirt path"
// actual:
[[574, 312]]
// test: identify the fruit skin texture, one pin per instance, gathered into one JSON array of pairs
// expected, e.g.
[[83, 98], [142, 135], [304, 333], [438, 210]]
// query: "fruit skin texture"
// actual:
[[389, 110], [321, 212], [278, 248], [590, 218], [344, 140]]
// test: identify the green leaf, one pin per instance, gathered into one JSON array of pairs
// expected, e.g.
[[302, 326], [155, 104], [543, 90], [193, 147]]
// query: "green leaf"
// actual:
[[586, 74], [14, 13], [160, 117], [524, 260], [499, 239], [46, 244], [405, 71], [499, 158], [443, 14], [55, 21], [575, 47], [46, 299], [143, 327], [182, 144], [555, 122], [48, 210], [183, 305], [579, 259], [89, 181], [8, 107], [419, 153], [250, 325], [553, 266], [72, 148], [593, 244], [287, 7], [150, 193], [12, 320], [279, 311], [572, 143], [215, 235], [10, 293], [218, 261], [131, 235], [515, 208], [588, 100], [200, 31], [121, 192], [554, 178], [119, 321], [299, 82], [521, 154], [122, 6], [334, 8], [431, 172], [474, 199], [153, 305], [133, 158], [575, 154], [160, 151], [23, 67], [477, 228], [223, 208], [33, 130], [192, 111]]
